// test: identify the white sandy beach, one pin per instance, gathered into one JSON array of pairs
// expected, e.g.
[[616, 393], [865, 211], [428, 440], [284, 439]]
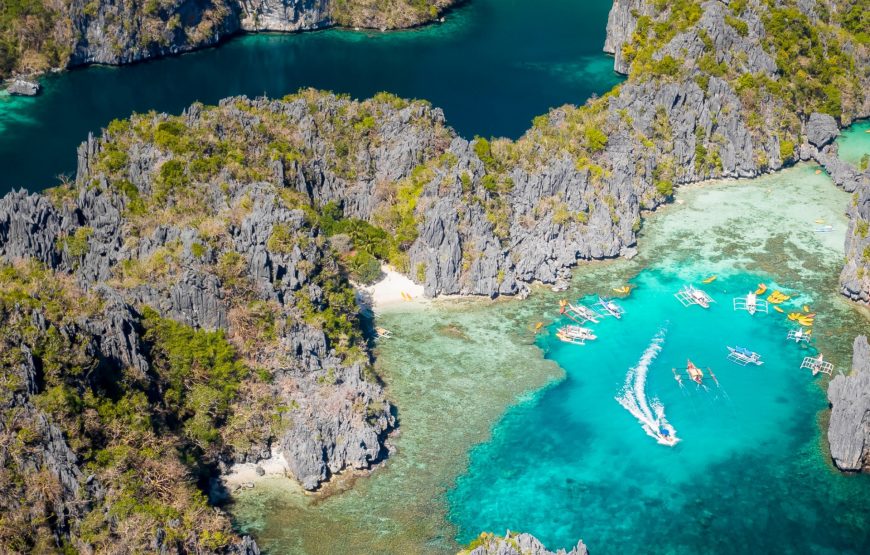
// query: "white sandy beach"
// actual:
[[393, 289], [243, 474]]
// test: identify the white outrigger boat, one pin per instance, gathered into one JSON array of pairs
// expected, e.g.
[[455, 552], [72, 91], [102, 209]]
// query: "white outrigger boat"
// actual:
[[799, 336], [742, 356], [575, 334], [609, 308], [818, 364], [751, 304], [579, 313], [690, 295]]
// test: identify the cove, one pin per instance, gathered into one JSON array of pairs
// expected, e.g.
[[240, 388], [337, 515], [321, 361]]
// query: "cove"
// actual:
[[752, 472], [492, 66], [491, 428]]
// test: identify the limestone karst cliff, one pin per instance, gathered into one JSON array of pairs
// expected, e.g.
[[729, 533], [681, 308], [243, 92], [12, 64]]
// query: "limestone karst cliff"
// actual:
[[849, 428], [38, 35]]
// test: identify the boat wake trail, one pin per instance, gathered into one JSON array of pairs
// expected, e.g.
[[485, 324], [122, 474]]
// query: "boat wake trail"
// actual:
[[650, 414]]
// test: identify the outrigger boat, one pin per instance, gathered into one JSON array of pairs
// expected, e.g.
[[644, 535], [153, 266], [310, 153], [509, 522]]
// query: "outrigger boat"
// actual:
[[609, 308], [818, 364], [742, 356], [751, 304], [579, 313], [694, 373], [690, 295], [799, 335], [575, 335]]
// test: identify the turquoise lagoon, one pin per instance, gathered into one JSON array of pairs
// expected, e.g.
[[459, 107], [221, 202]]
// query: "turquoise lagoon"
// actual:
[[751, 473], [502, 429]]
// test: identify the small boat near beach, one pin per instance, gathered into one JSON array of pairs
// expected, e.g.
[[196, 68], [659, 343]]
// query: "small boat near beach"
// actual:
[[690, 295], [818, 365], [579, 313], [607, 307], [575, 335], [799, 335], [751, 304], [743, 356]]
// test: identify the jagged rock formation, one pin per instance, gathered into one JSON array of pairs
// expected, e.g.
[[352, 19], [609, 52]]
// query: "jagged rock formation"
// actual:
[[46, 35], [516, 544], [284, 15], [849, 428], [23, 87]]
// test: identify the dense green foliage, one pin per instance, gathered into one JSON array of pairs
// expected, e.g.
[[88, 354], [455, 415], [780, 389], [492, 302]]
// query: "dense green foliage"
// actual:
[[147, 437], [29, 39]]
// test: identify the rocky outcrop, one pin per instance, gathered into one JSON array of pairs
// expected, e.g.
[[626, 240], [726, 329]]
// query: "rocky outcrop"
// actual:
[[621, 22], [517, 544], [821, 129], [22, 87], [126, 31], [849, 428], [81, 32], [284, 15]]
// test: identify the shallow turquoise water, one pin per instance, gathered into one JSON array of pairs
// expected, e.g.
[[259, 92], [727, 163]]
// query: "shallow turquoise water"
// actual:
[[854, 142], [749, 475], [492, 66]]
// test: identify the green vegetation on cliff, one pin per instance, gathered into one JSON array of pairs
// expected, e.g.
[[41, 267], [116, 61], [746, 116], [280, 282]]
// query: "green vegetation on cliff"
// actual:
[[148, 438]]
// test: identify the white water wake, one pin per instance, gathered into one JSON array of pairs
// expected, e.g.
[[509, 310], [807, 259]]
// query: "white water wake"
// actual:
[[650, 414]]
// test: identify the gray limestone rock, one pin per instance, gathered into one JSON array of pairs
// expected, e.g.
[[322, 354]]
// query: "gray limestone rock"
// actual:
[[23, 87], [521, 544], [284, 15], [821, 129], [849, 427]]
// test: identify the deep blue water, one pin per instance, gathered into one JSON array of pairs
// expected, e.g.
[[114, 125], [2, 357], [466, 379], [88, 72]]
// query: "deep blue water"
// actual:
[[750, 474], [492, 66]]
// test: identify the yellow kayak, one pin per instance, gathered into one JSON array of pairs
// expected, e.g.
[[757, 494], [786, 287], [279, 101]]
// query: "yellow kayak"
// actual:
[[806, 308], [776, 308], [761, 289], [805, 321], [795, 315], [624, 290], [710, 279]]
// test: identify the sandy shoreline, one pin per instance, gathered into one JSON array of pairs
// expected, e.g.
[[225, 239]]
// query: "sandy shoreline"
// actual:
[[244, 475], [393, 289]]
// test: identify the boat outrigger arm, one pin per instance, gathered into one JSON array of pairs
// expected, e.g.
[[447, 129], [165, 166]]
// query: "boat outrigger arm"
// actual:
[[609, 308], [580, 313], [817, 365], [799, 335], [690, 295], [751, 304], [741, 356], [575, 335]]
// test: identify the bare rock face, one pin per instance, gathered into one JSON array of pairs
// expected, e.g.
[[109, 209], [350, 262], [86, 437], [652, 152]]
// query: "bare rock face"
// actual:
[[284, 15], [22, 87], [519, 544], [849, 428], [621, 23], [821, 129]]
